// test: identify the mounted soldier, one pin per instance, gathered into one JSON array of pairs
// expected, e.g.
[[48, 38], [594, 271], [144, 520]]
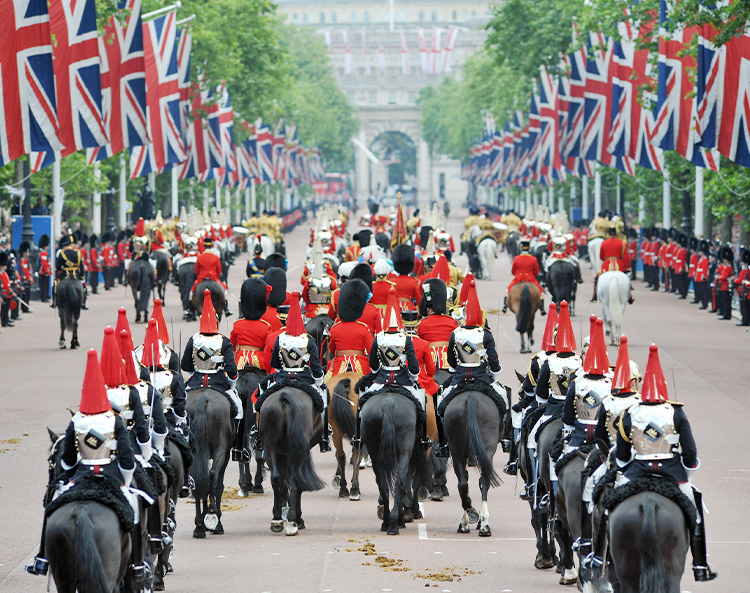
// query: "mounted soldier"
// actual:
[[351, 340], [525, 268], [615, 257], [407, 286], [208, 267], [436, 326], [257, 265], [317, 284], [69, 264]]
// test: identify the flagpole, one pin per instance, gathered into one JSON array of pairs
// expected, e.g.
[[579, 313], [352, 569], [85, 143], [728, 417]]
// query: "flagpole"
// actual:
[[57, 200], [698, 202], [572, 198], [527, 207], [175, 206], [155, 13], [217, 195], [247, 201], [253, 197], [597, 191], [667, 201], [585, 197], [96, 211], [122, 198]]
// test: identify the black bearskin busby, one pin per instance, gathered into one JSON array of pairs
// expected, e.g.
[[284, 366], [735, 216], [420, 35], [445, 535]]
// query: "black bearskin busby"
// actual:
[[434, 297], [352, 300], [403, 259], [44, 241], [253, 298], [275, 260], [362, 272], [424, 235], [363, 237], [4, 258], [24, 247], [93, 241], [276, 279]]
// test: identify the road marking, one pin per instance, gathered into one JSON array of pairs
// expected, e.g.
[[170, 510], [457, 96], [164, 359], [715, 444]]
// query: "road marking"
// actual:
[[422, 529]]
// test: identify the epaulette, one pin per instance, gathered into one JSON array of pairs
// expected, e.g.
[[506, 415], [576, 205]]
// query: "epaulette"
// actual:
[[621, 428], [362, 323], [264, 321], [671, 403]]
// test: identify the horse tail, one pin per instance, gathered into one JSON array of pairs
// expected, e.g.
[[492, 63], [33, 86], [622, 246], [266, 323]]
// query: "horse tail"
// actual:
[[523, 319], [653, 578], [388, 453], [342, 412], [199, 469], [476, 444], [89, 567], [301, 468], [615, 305]]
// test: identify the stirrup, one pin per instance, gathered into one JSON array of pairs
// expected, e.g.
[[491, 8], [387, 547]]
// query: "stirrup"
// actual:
[[325, 446], [582, 546], [511, 468], [138, 572], [38, 566], [156, 544], [526, 493], [544, 503], [356, 441], [592, 562], [704, 573], [442, 451], [426, 443], [505, 444]]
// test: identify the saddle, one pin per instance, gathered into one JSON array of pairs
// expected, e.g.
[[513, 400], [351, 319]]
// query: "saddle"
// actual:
[[291, 382], [481, 387], [366, 382]]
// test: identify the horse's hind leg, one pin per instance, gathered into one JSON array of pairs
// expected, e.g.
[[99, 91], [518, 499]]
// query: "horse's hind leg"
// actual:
[[259, 463], [62, 332], [74, 343], [200, 529], [217, 491], [341, 466], [354, 493], [469, 515], [484, 514], [293, 516]]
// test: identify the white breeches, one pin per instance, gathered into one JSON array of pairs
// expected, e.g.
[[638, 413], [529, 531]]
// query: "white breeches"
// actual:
[[531, 442], [232, 394]]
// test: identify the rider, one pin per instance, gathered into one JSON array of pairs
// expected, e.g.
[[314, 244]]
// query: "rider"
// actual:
[[525, 268], [436, 326], [248, 337], [209, 356], [654, 437], [166, 357], [69, 264], [95, 443], [615, 257], [257, 265], [276, 279], [407, 286], [382, 285], [208, 267], [351, 339], [317, 284], [561, 249], [295, 355]]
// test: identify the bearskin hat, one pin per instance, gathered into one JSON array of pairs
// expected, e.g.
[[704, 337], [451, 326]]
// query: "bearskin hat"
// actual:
[[403, 259], [44, 242], [663, 234], [424, 235], [352, 300], [275, 260], [363, 238], [276, 279], [705, 247], [362, 272], [746, 256], [107, 236], [4, 258], [253, 295], [434, 297], [78, 236], [121, 236], [693, 244], [24, 247], [727, 253]]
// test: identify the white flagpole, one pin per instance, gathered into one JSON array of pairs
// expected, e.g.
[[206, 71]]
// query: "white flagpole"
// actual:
[[122, 198], [698, 202], [253, 198], [155, 13], [57, 203], [175, 206], [96, 223]]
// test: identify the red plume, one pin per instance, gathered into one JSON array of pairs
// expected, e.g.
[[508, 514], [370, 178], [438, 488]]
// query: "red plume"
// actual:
[[548, 339], [654, 389], [161, 325], [150, 356], [122, 324], [294, 324], [465, 289], [622, 378], [111, 365], [208, 315], [128, 358], [473, 310], [597, 360], [393, 321], [93, 393], [566, 339], [441, 270], [140, 228]]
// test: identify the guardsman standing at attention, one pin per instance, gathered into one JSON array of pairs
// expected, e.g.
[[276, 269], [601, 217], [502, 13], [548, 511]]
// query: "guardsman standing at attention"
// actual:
[[44, 269]]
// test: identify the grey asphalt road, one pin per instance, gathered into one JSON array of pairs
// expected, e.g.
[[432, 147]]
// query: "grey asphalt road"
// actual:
[[342, 549]]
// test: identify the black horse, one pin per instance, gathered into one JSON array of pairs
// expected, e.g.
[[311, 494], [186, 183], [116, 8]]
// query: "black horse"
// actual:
[[289, 426], [568, 506], [317, 327], [163, 267], [439, 485], [512, 244], [561, 282], [68, 300], [163, 565], [389, 430], [248, 381], [186, 278], [142, 279], [217, 296], [211, 421]]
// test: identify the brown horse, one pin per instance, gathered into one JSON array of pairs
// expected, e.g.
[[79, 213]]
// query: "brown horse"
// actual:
[[524, 300], [217, 296], [342, 418]]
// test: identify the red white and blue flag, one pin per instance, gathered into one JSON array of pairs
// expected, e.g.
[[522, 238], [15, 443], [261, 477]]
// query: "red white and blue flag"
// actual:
[[550, 160], [28, 105], [576, 99], [226, 127], [265, 152]]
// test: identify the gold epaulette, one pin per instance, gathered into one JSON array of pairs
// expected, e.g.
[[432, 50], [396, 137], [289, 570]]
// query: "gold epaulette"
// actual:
[[621, 429], [671, 403]]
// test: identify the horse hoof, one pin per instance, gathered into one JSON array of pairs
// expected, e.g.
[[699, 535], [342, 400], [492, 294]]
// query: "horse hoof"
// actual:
[[381, 512], [277, 526], [418, 515], [543, 563], [242, 493], [343, 492], [62, 345], [258, 489], [472, 514], [218, 530], [355, 494], [393, 530], [445, 490], [199, 533], [423, 494], [569, 577], [336, 482], [292, 529], [384, 526], [408, 516], [485, 531], [301, 524], [437, 495], [158, 586], [559, 568], [210, 520], [463, 528]]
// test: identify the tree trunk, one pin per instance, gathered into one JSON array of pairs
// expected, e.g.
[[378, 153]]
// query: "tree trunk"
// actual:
[[708, 224], [744, 234], [726, 229]]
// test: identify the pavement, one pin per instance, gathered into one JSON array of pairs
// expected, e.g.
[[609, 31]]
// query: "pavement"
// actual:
[[342, 549]]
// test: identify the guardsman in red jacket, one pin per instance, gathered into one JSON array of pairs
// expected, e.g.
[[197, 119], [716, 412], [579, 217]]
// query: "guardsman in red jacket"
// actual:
[[407, 286], [25, 275], [614, 255], [671, 254], [692, 267], [645, 253], [743, 288], [44, 268], [633, 251], [724, 273], [525, 268], [208, 267], [350, 340], [665, 258], [701, 274], [436, 326], [95, 264], [679, 262]]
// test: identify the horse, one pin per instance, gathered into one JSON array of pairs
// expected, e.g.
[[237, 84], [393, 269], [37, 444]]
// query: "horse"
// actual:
[[568, 507], [267, 245], [211, 421], [524, 300], [142, 279], [486, 250], [473, 428], [593, 246], [161, 261], [561, 282], [649, 540], [163, 565], [318, 326], [613, 292], [217, 296], [289, 426], [512, 244], [186, 278], [388, 428], [248, 380], [68, 300], [85, 544], [439, 486], [343, 420]]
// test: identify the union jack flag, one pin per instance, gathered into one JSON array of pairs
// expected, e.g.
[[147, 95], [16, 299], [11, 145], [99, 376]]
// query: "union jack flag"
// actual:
[[534, 139], [508, 151], [28, 106], [676, 111], [226, 127], [550, 161], [265, 153], [574, 133], [709, 88], [123, 82], [163, 99], [244, 168], [251, 145]]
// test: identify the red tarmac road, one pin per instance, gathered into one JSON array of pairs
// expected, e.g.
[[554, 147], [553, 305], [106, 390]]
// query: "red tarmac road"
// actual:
[[704, 360]]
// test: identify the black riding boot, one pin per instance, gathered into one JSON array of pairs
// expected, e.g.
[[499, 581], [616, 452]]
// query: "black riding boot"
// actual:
[[227, 312], [39, 565], [505, 304], [583, 545], [239, 452], [511, 467], [325, 442], [579, 279], [138, 568], [441, 450], [154, 529], [542, 308], [702, 570], [595, 560]]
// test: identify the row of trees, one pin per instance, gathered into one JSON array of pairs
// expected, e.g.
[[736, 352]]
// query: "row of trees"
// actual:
[[522, 35], [273, 70]]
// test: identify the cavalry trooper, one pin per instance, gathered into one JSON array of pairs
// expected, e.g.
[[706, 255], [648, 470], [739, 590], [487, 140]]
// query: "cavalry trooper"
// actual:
[[436, 326], [407, 286], [140, 408], [382, 285], [615, 258], [554, 376], [472, 355], [165, 358], [208, 267], [654, 437], [626, 386], [426, 369], [209, 356], [525, 268], [96, 443], [249, 334], [69, 264], [295, 355], [562, 249]]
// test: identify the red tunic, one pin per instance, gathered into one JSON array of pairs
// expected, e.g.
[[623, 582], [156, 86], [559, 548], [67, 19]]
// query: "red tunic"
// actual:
[[351, 336], [701, 270], [272, 317], [436, 330], [614, 255], [45, 269], [94, 260], [270, 341], [249, 340], [693, 265], [380, 290], [723, 274], [85, 259], [25, 271], [5, 283], [207, 267], [426, 365], [372, 319], [525, 268], [665, 256], [409, 292]]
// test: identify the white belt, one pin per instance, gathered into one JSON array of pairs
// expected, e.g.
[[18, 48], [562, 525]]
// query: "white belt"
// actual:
[[589, 422], [470, 365], [294, 370], [105, 461], [654, 456], [207, 371]]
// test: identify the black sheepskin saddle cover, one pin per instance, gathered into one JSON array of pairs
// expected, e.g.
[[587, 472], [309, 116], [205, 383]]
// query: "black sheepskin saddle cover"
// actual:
[[295, 384], [365, 382], [479, 386], [187, 449], [99, 489], [146, 480]]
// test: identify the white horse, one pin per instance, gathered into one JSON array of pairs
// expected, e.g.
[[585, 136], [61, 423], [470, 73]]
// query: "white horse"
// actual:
[[486, 250], [593, 247], [613, 292], [268, 245]]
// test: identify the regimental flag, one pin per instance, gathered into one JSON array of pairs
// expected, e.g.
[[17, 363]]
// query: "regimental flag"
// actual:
[[632, 125], [163, 98], [28, 106], [123, 82], [676, 111], [399, 229], [265, 153]]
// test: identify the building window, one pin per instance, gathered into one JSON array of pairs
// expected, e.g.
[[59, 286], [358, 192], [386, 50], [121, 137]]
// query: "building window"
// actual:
[[322, 17], [412, 97], [433, 15], [334, 17], [392, 97], [401, 16], [304, 17], [373, 97], [421, 16], [294, 17], [366, 16], [455, 15], [353, 16]]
